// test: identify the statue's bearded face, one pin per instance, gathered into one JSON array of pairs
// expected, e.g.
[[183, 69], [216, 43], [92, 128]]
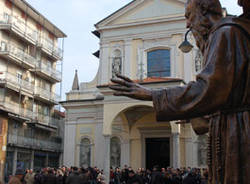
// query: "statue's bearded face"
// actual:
[[199, 24]]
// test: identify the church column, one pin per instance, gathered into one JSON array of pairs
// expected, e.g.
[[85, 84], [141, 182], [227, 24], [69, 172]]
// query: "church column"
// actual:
[[125, 153], [78, 154], [127, 58], [176, 150], [107, 157], [105, 64], [195, 151]]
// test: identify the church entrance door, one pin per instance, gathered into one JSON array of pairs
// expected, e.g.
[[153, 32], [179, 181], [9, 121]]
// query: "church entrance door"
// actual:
[[157, 152]]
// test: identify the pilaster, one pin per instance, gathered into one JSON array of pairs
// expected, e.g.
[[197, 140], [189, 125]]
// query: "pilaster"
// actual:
[[107, 157]]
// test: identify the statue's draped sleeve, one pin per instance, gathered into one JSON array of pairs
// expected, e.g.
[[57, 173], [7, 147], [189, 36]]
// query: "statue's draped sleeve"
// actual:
[[225, 65]]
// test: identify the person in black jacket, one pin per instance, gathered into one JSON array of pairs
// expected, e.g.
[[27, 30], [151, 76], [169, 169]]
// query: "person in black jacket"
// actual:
[[50, 178], [133, 178], [190, 178], [156, 177], [74, 177]]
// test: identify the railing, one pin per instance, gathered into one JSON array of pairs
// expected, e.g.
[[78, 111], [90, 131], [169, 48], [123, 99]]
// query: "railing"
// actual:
[[43, 119], [32, 142], [49, 70], [50, 47], [58, 52], [54, 122], [26, 113], [17, 109], [18, 54], [47, 94], [20, 26], [17, 82]]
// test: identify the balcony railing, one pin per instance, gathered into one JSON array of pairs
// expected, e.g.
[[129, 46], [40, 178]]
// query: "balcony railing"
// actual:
[[18, 55], [49, 71], [49, 46], [33, 143], [17, 109], [47, 94], [9, 78], [28, 114], [19, 26]]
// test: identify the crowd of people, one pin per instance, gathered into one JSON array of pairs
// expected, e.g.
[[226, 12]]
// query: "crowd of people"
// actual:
[[125, 175]]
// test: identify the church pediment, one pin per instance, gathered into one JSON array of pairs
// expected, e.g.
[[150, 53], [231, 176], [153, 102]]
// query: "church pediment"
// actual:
[[143, 11]]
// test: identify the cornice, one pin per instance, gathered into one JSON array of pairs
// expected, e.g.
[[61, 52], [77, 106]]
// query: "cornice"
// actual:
[[176, 17]]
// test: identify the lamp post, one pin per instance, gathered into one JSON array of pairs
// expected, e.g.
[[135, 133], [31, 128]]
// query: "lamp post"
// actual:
[[186, 46]]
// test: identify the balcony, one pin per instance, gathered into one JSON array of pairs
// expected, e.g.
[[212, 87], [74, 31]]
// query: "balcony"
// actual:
[[13, 82], [46, 95], [19, 27], [33, 143], [16, 109], [18, 56], [48, 72], [50, 49]]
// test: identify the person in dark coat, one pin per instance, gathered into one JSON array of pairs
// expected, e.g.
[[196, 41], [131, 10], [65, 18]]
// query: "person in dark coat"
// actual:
[[59, 177], [85, 176], [74, 177], [134, 178], [157, 177], [50, 178], [190, 178]]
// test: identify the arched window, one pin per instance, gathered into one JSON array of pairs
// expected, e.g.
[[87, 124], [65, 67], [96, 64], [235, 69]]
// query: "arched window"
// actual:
[[116, 63], [115, 152], [158, 63], [85, 152]]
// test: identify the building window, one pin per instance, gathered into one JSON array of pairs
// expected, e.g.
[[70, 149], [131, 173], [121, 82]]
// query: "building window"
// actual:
[[19, 77], [3, 46], [158, 63], [115, 152], [116, 63], [85, 153]]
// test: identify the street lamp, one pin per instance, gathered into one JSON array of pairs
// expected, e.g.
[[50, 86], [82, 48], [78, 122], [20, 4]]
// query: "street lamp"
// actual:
[[186, 46]]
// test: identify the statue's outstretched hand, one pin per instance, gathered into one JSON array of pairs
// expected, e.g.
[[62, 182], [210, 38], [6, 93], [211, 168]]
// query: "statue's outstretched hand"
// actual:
[[129, 88]]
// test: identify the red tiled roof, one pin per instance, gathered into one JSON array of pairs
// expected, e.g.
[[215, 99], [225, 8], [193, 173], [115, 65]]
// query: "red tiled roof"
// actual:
[[62, 114]]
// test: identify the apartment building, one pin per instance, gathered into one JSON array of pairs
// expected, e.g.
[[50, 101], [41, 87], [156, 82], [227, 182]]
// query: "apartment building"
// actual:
[[31, 48]]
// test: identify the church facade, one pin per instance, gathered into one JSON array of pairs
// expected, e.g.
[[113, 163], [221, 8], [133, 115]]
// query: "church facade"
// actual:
[[140, 41]]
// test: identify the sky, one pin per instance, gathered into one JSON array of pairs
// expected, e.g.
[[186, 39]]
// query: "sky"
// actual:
[[76, 18]]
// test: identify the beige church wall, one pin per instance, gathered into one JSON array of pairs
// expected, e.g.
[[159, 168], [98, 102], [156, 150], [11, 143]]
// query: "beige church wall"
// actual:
[[146, 30], [112, 110], [80, 95], [134, 62], [176, 39]]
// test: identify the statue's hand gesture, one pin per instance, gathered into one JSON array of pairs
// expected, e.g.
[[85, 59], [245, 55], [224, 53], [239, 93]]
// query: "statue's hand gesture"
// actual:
[[127, 87]]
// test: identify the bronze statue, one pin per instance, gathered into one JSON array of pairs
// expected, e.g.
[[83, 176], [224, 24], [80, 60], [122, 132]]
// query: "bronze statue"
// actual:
[[221, 90], [246, 8]]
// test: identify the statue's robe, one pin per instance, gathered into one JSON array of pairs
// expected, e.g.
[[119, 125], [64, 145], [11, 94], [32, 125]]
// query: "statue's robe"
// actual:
[[222, 92]]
